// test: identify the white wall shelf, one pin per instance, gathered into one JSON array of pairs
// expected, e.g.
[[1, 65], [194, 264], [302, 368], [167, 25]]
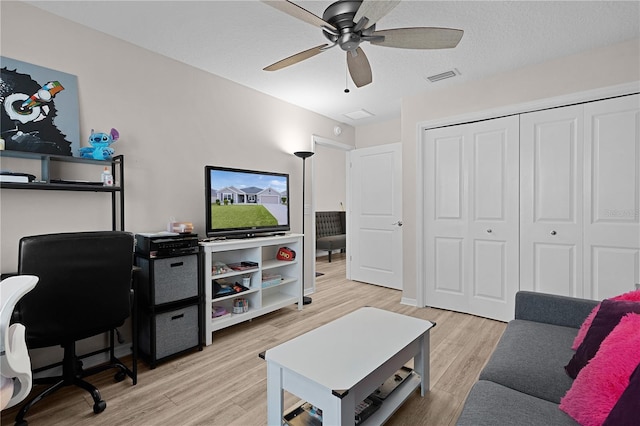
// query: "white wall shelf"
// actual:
[[262, 300]]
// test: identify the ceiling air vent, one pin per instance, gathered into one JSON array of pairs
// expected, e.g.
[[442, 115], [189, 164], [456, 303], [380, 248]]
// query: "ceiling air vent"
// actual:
[[358, 115], [444, 75]]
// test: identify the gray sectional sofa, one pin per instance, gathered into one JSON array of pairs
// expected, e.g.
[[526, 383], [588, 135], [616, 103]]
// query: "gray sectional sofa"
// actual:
[[524, 379]]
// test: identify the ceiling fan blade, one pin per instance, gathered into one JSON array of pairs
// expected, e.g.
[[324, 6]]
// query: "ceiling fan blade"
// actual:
[[359, 68], [298, 12], [419, 38], [294, 59], [373, 10]]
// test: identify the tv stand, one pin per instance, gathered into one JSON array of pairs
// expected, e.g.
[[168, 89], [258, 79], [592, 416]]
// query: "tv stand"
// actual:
[[274, 284]]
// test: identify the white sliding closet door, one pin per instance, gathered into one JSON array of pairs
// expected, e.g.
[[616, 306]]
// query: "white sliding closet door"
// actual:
[[612, 196], [551, 200], [471, 217], [580, 199]]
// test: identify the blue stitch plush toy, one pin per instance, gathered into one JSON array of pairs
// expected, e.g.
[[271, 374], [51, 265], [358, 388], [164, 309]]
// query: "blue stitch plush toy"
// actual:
[[99, 149]]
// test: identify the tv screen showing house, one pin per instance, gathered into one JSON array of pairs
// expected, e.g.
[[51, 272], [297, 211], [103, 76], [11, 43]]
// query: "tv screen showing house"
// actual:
[[246, 201]]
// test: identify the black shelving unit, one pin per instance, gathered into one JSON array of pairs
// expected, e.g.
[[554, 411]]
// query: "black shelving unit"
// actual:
[[45, 182]]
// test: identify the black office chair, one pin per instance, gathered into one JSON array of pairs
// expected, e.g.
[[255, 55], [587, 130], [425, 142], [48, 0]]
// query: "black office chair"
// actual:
[[84, 290]]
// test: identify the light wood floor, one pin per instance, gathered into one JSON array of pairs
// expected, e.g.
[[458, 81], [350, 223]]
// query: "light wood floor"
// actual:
[[225, 384]]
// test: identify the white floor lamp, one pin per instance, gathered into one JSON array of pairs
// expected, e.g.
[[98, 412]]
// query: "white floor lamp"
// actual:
[[304, 155]]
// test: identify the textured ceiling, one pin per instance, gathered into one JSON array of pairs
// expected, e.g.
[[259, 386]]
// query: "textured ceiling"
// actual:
[[236, 39]]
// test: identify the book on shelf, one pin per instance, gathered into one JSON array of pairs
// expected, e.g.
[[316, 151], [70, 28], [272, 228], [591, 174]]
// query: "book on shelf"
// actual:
[[243, 266], [223, 287], [269, 280], [221, 317], [219, 312], [16, 177]]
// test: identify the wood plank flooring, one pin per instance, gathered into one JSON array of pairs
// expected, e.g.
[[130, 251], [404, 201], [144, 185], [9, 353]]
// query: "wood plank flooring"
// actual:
[[225, 384]]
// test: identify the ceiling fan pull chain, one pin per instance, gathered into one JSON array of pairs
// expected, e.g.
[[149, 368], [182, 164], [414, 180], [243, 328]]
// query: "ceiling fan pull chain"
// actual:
[[346, 78]]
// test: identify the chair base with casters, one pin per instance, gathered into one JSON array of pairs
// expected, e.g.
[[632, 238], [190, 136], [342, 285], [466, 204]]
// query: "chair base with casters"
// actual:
[[73, 375]]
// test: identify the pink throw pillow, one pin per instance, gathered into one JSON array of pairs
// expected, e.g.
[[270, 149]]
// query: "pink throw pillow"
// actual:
[[602, 381], [631, 296]]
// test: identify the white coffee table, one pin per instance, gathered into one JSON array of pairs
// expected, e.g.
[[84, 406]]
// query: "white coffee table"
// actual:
[[339, 364]]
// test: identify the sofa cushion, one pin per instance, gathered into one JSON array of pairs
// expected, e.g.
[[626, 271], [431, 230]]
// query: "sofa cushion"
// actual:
[[603, 380], [330, 223], [491, 404], [332, 242], [530, 358], [553, 309], [607, 318]]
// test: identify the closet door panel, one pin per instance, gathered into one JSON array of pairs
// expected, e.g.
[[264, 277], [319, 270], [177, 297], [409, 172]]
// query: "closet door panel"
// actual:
[[446, 227], [493, 152], [612, 269], [490, 270], [448, 178], [471, 217], [555, 269], [449, 265], [551, 199], [612, 196]]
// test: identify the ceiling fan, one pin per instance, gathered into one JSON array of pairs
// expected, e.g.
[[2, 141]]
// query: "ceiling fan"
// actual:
[[348, 23]]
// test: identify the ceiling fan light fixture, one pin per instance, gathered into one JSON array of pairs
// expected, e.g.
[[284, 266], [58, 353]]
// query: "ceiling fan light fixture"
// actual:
[[443, 75], [349, 23]]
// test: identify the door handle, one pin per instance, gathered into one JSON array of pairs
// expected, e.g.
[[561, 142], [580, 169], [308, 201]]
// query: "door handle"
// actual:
[[399, 223], [553, 232]]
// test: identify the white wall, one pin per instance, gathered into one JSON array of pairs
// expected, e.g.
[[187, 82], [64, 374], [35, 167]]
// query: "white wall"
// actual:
[[598, 68], [173, 120], [378, 134], [330, 178]]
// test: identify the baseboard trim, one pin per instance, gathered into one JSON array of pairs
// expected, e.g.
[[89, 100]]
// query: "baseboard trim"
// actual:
[[409, 302]]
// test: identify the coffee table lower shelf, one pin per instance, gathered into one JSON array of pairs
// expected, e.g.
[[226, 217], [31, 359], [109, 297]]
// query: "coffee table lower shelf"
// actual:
[[385, 410]]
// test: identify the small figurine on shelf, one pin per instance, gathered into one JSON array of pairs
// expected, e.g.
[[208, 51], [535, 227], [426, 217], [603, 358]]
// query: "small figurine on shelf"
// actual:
[[99, 149]]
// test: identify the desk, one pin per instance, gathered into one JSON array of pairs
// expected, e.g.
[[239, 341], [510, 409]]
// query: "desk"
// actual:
[[339, 364]]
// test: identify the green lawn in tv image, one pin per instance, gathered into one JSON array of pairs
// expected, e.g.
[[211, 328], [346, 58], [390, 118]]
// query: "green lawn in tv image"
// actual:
[[241, 216]]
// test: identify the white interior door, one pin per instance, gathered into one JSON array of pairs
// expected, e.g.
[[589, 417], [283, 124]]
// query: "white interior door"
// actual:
[[551, 193], [374, 218], [612, 196], [471, 217]]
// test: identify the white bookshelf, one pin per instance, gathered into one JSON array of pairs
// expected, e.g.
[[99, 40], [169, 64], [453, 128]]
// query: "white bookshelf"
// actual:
[[262, 251]]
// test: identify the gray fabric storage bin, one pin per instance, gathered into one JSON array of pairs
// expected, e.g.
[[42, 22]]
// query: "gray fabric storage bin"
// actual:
[[175, 331], [170, 279]]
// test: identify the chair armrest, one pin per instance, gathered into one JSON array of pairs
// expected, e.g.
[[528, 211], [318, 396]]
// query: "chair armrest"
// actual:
[[552, 309]]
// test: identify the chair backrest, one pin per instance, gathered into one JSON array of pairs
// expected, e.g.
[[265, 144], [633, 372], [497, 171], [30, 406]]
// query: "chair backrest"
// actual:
[[330, 223], [15, 364], [84, 288]]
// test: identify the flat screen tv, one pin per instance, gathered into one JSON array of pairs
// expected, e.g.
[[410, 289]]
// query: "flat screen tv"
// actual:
[[245, 203]]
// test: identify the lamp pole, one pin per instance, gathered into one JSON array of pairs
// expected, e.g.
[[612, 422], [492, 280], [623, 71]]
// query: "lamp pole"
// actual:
[[304, 155]]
